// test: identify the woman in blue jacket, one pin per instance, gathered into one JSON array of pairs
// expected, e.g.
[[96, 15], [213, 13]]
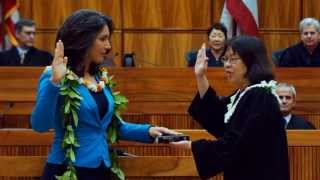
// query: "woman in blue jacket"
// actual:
[[75, 99]]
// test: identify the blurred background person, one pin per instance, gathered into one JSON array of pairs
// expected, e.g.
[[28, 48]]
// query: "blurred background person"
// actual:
[[287, 95], [307, 52], [217, 35], [25, 54]]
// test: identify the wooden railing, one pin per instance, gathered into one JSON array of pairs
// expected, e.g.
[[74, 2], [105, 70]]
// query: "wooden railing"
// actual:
[[170, 120], [156, 90], [157, 95]]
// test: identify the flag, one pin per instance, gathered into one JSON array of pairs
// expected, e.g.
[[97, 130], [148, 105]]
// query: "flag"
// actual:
[[240, 17], [9, 16]]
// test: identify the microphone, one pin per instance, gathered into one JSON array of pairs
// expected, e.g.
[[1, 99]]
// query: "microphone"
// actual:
[[129, 60], [6, 109]]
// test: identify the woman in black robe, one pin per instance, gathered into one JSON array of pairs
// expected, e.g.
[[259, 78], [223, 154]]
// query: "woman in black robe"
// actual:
[[251, 139]]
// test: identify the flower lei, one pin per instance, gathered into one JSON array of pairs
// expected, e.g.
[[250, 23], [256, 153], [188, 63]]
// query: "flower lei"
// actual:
[[70, 107], [231, 107]]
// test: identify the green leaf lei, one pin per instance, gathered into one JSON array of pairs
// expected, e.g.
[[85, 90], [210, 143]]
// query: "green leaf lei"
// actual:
[[70, 107]]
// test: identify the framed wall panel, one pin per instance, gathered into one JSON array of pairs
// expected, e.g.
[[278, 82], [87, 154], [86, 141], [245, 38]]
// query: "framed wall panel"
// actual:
[[51, 14], [25, 8], [116, 44], [162, 49], [311, 8], [161, 31], [179, 14], [279, 14], [217, 10], [279, 40], [45, 40]]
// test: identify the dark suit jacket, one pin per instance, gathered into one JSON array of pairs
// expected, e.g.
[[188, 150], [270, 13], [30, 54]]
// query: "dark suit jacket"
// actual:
[[297, 122], [34, 57], [298, 56]]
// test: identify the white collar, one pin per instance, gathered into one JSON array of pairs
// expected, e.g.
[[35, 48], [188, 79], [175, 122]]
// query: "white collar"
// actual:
[[22, 50], [287, 118], [233, 105]]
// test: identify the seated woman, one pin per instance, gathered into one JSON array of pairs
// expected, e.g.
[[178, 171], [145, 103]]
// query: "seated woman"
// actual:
[[217, 35]]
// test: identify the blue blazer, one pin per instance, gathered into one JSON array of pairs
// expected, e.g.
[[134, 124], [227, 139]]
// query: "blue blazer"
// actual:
[[91, 131]]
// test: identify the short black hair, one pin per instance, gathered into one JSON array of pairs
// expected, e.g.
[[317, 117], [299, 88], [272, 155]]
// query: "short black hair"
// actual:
[[254, 55], [78, 34], [218, 26], [23, 22]]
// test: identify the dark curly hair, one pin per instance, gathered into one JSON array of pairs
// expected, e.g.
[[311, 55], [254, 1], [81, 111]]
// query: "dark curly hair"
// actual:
[[78, 34]]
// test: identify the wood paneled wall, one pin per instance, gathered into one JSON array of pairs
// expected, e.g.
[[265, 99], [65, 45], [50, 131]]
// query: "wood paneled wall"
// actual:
[[160, 32]]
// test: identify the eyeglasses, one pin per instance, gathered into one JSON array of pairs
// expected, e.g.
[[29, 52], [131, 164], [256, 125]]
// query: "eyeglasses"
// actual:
[[230, 60]]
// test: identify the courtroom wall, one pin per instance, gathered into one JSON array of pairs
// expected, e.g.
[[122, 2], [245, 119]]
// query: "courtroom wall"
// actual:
[[160, 32]]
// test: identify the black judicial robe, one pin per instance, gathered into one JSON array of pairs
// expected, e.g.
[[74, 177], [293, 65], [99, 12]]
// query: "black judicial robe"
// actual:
[[297, 122], [252, 146], [298, 56]]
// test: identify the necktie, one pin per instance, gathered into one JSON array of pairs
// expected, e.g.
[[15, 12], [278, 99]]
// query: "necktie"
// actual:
[[22, 56], [285, 123]]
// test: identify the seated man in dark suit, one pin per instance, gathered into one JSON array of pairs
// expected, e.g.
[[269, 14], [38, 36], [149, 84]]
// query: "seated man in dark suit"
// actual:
[[287, 95], [307, 52], [25, 54]]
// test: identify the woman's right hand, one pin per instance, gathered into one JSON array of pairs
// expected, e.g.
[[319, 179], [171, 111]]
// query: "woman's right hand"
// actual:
[[59, 63], [185, 144], [202, 62]]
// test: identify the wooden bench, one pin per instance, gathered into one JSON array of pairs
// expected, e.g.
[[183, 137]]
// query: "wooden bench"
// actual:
[[304, 153], [155, 94], [170, 120]]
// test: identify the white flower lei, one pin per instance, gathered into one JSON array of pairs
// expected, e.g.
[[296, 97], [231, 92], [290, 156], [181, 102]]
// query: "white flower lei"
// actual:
[[100, 85], [232, 106]]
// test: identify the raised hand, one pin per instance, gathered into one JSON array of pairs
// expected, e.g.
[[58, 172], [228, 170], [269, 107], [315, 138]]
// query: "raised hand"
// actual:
[[202, 62], [59, 63]]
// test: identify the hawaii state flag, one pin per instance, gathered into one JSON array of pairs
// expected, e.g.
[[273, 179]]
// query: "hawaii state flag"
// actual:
[[240, 17], [9, 15]]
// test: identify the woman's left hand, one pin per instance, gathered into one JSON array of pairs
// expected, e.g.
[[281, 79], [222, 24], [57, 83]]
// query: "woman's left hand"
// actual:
[[201, 66], [181, 144], [158, 131]]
